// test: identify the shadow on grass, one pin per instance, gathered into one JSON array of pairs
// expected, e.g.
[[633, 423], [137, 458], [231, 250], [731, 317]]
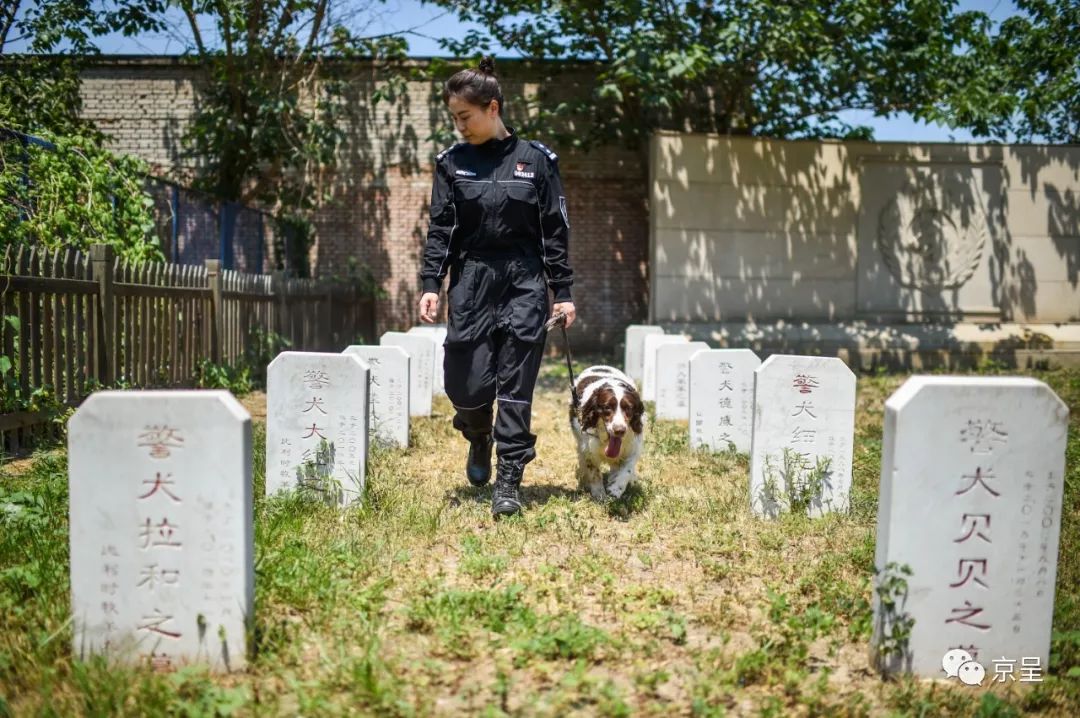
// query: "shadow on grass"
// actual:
[[531, 494], [632, 502], [539, 494]]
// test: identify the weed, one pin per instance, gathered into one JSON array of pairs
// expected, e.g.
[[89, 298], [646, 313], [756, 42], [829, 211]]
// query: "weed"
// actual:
[[796, 487], [894, 623], [236, 379]]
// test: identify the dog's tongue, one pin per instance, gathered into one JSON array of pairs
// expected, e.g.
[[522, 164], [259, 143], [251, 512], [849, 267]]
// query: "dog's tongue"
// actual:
[[614, 443]]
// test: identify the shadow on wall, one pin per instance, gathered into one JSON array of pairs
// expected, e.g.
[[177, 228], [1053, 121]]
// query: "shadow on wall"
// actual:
[[745, 228], [1064, 220]]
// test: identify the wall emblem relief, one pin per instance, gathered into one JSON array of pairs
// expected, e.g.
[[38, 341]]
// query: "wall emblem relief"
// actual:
[[931, 239]]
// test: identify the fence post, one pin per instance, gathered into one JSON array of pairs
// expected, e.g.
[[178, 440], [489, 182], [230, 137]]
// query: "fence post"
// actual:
[[103, 259], [217, 330]]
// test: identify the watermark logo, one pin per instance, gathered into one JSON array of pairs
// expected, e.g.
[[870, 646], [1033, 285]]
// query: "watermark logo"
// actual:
[[960, 664]]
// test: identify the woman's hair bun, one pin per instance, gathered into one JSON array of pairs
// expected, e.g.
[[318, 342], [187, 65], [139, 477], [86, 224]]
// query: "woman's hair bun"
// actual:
[[477, 87]]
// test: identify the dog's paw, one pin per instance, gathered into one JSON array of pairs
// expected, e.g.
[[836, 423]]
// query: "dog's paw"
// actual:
[[619, 484], [596, 490]]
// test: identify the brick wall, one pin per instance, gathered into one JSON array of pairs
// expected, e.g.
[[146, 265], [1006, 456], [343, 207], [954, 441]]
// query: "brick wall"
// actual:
[[379, 196]]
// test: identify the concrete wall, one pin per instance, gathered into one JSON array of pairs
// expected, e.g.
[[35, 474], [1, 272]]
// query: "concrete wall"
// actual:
[[378, 211], [827, 231]]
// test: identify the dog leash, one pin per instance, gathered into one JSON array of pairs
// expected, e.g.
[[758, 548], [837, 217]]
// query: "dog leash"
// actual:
[[560, 320]]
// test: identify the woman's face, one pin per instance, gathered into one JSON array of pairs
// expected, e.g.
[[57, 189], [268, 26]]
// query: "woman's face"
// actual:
[[475, 123]]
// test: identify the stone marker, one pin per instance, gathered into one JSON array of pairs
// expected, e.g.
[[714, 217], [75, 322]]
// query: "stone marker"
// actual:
[[161, 528], [388, 387], [438, 334], [634, 352], [652, 342], [972, 471], [673, 379], [805, 405], [317, 424], [722, 399], [421, 352]]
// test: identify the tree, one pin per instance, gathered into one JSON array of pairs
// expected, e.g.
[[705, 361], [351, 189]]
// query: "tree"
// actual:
[[39, 86], [1025, 78], [68, 191], [273, 105], [764, 67]]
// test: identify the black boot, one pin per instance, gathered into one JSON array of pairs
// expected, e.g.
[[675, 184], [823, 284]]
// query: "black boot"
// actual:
[[505, 500], [478, 467]]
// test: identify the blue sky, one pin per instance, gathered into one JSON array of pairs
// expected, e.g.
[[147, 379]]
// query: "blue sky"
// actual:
[[427, 23]]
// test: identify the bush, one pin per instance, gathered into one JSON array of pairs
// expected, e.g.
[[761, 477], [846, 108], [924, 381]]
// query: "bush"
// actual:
[[75, 195]]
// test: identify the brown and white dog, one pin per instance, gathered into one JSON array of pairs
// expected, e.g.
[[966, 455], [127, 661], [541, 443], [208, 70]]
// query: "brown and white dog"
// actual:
[[609, 430]]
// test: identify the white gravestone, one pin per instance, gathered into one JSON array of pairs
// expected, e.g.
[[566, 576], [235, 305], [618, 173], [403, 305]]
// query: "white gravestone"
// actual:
[[388, 387], [162, 567], [806, 406], [421, 351], [722, 399], [634, 351], [972, 471], [673, 379], [438, 335], [317, 424], [650, 345]]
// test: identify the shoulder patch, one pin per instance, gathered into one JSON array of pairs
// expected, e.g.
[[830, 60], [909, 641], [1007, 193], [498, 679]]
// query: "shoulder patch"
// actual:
[[544, 148], [447, 151]]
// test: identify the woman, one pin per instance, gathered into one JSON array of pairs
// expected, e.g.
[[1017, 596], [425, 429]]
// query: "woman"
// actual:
[[499, 227]]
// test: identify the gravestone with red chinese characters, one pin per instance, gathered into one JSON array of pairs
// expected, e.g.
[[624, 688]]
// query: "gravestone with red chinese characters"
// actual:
[[652, 342], [634, 351], [317, 424], [421, 351], [388, 390], [804, 428], [437, 333], [673, 379], [161, 528], [722, 399], [972, 472]]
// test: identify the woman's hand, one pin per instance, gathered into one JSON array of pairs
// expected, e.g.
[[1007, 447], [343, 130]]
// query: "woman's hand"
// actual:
[[566, 308], [429, 307]]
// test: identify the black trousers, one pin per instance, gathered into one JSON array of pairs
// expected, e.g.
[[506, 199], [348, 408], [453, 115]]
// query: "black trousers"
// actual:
[[494, 346]]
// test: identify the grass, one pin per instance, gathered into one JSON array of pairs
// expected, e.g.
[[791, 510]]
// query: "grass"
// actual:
[[672, 600]]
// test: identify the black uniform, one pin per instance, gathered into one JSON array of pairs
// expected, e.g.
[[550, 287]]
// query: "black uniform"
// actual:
[[499, 227]]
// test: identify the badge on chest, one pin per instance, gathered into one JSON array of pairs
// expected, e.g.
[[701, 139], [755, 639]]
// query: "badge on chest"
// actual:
[[521, 170]]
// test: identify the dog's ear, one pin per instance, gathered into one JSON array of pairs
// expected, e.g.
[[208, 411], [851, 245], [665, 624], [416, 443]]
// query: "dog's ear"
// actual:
[[637, 411], [590, 413]]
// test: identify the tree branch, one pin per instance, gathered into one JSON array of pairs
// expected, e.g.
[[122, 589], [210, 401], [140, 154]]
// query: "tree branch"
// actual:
[[189, 12], [8, 22], [316, 27]]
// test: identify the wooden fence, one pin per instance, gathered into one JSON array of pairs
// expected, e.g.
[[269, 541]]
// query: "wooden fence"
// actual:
[[74, 323]]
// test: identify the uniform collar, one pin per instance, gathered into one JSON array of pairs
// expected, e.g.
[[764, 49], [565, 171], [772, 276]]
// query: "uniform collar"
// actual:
[[496, 146]]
